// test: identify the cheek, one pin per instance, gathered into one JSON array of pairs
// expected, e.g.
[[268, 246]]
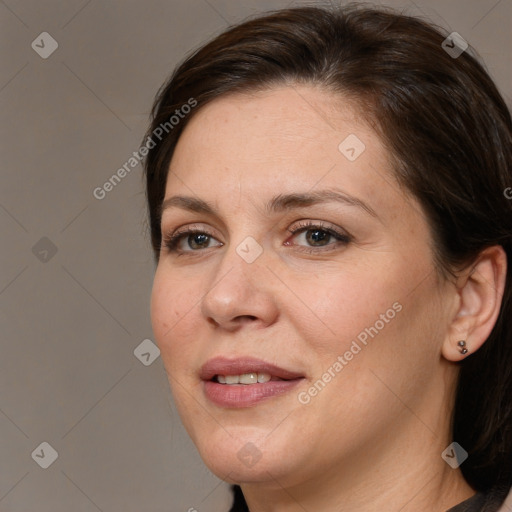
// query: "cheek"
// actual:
[[171, 305], [164, 313], [172, 309], [347, 303], [386, 310]]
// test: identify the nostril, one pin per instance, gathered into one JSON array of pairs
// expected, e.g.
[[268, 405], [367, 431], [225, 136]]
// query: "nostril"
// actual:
[[245, 318]]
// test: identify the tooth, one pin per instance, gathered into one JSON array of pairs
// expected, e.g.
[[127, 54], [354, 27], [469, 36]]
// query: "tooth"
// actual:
[[246, 378], [249, 378]]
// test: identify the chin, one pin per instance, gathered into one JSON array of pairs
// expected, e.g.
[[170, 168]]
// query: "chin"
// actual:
[[247, 455]]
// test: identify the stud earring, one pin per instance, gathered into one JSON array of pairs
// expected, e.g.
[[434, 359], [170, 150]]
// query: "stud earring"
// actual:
[[462, 345]]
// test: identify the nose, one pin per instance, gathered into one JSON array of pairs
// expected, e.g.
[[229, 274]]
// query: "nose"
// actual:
[[240, 293]]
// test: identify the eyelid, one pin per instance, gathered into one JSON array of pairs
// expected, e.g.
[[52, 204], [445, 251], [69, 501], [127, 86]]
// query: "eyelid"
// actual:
[[303, 224]]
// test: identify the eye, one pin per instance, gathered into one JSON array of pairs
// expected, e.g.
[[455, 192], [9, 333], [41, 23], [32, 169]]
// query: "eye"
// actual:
[[187, 240], [318, 235]]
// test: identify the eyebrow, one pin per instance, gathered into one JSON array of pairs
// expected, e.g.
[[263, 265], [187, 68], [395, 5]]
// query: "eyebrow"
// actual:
[[277, 204]]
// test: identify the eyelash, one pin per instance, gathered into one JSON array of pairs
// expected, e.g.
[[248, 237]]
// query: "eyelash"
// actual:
[[171, 241]]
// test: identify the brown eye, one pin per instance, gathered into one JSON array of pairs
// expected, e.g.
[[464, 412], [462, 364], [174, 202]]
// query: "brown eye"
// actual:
[[318, 236], [194, 239]]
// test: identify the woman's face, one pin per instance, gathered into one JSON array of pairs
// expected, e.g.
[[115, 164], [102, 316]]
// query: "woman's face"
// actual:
[[346, 316]]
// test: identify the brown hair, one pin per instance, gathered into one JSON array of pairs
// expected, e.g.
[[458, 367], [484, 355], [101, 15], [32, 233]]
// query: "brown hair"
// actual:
[[447, 129]]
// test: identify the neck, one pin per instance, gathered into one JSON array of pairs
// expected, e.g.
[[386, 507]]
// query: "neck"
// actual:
[[396, 473]]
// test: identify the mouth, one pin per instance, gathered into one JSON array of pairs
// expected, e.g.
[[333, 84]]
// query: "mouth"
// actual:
[[244, 382]]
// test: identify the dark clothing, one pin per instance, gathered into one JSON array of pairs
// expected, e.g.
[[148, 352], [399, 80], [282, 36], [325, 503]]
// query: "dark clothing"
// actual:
[[475, 503], [480, 502], [239, 504]]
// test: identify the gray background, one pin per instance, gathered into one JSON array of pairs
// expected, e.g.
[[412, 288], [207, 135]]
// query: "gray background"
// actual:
[[70, 321]]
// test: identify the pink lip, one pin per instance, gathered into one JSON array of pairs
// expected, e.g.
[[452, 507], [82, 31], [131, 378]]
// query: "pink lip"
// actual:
[[242, 395]]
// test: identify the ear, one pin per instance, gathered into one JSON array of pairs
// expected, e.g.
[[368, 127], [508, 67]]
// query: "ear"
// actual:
[[479, 294]]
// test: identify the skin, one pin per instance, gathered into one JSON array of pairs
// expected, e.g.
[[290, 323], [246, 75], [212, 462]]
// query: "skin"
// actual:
[[372, 438]]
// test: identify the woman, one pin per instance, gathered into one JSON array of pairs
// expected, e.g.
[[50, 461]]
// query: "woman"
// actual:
[[327, 204]]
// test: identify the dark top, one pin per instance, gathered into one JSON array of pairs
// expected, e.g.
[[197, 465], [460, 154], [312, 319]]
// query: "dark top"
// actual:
[[483, 502], [480, 502]]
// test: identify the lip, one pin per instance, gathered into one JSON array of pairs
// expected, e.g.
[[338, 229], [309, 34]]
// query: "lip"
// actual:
[[242, 395], [241, 365]]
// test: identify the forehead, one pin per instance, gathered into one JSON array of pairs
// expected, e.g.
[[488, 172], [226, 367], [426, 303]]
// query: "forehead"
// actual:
[[280, 140], [280, 118]]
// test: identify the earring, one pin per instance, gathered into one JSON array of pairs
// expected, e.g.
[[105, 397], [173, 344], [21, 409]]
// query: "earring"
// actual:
[[462, 345]]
